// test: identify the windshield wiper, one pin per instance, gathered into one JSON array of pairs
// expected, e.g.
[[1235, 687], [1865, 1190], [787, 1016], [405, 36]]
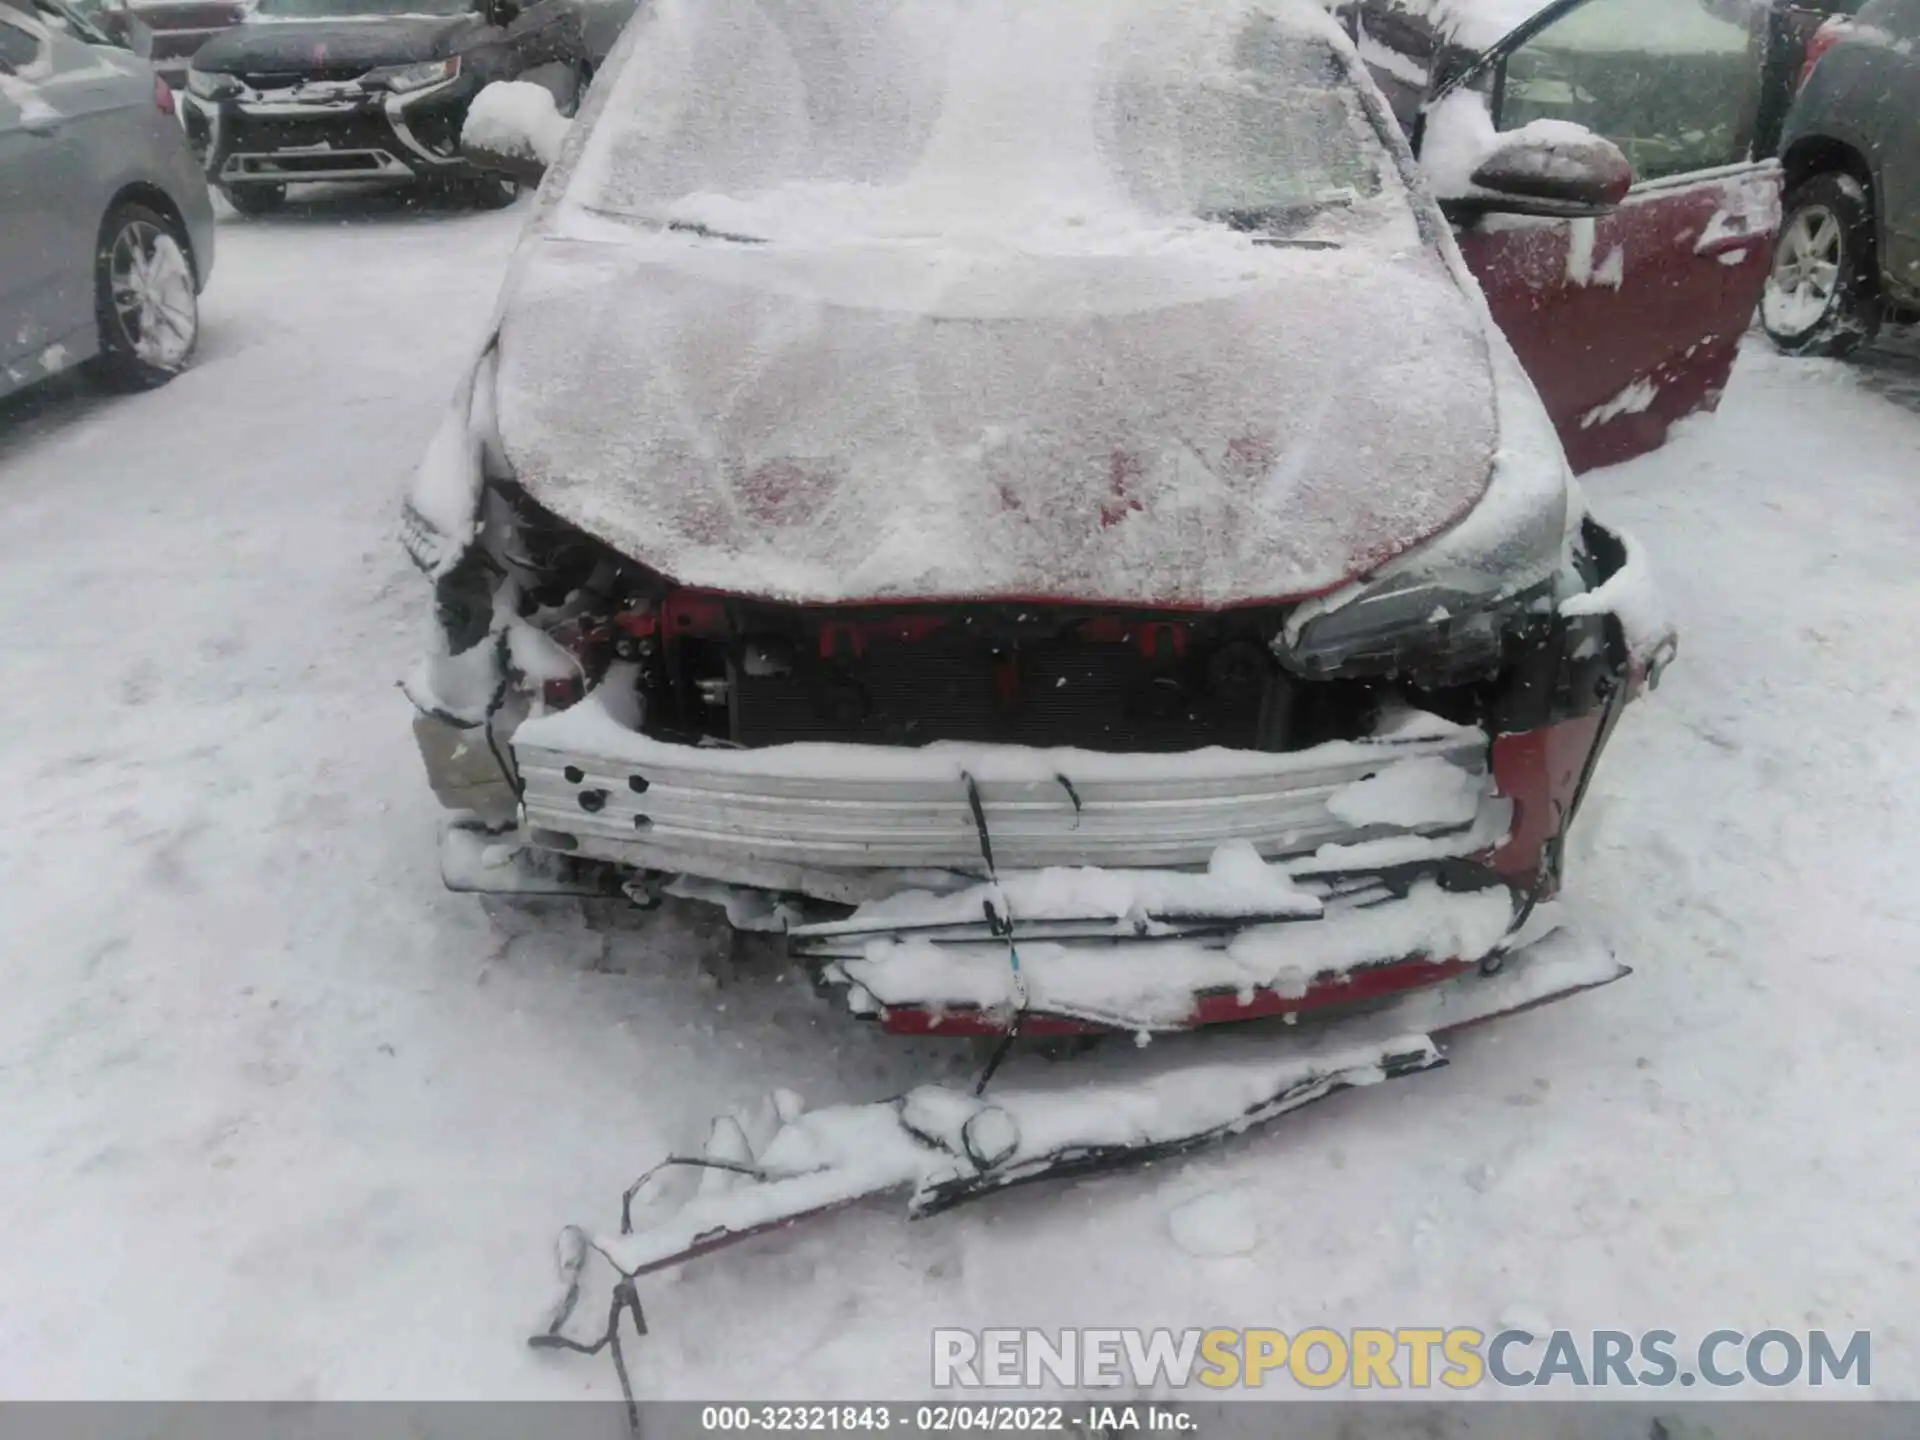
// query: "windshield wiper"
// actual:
[[707, 232], [1274, 224]]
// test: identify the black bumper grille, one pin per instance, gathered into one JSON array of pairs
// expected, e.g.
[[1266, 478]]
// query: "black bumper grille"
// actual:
[[365, 130], [1058, 693]]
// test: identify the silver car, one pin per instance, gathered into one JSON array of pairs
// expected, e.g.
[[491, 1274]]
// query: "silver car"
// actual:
[[108, 233]]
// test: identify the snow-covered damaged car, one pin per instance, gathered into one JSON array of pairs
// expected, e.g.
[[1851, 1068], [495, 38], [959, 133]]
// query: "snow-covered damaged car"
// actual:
[[1028, 499]]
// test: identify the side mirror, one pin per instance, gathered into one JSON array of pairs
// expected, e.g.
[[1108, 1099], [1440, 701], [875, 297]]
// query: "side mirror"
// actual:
[[513, 128], [1552, 168]]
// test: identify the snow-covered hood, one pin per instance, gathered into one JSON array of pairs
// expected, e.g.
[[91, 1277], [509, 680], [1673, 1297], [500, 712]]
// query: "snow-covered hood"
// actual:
[[297, 46], [1194, 422]]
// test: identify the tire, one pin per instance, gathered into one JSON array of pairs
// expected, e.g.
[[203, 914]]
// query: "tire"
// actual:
[[255, 199], [1823, 293], [491, 192], [144, 299]]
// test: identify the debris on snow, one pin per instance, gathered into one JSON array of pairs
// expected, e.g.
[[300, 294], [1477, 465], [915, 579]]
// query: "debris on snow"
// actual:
[[1218, 1223], [945, 1147]]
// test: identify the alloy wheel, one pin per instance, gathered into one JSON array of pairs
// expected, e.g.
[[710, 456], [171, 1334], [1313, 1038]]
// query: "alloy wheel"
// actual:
[[151, 283], [1806, 268]]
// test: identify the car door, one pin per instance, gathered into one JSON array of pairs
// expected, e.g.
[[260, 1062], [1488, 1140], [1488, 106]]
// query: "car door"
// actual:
[[33, 238], [1895, 32], [1631, 321], [101, 98]]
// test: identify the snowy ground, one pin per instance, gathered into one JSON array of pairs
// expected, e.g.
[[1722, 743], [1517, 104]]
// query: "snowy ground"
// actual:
[[281, 1118]]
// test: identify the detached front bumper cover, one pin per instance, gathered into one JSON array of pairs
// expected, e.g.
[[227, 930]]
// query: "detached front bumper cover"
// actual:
[[773, 1164]]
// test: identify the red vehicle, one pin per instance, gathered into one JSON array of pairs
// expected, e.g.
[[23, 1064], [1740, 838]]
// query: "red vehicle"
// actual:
[[1038, 510], [1630, 320]]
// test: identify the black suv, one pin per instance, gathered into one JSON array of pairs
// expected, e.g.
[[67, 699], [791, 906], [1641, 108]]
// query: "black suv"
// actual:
[[376, 90], [1849, 251]]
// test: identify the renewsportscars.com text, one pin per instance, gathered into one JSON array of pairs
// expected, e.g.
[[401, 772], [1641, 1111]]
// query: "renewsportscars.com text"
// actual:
[[1411, 1358]]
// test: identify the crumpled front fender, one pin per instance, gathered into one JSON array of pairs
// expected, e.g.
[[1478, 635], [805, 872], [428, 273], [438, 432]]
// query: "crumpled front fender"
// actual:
[[1628, 595]]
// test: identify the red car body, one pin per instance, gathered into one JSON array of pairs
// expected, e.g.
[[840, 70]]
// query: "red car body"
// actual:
[[906, 762]]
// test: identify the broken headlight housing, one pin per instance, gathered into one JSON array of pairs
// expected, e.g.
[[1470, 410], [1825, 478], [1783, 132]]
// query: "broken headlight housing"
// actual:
[[1432, 633], [1453, 608]]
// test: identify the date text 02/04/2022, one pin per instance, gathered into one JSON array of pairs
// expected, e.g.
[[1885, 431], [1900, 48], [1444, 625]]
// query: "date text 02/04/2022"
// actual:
[[945, 1419]]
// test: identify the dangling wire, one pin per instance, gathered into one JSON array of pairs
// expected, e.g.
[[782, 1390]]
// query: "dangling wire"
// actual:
[[700, 1162], [627, 1298], [1000, 926], [503, 660], [1079, 808]]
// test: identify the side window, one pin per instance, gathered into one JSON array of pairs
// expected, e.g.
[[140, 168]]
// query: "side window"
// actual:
[[19, 47], [1674, 83]]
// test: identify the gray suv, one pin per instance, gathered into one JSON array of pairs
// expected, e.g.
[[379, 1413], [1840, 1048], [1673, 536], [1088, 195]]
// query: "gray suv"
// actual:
[[106, 231], [1848, 256]]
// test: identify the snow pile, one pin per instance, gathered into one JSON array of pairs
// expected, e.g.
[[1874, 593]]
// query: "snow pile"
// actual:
[[518, 119], [1459, 136], [1411, 794], [1218, 1223]]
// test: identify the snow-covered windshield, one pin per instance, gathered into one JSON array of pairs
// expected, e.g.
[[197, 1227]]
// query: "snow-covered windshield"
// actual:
[[817, 119], [358, 9]]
